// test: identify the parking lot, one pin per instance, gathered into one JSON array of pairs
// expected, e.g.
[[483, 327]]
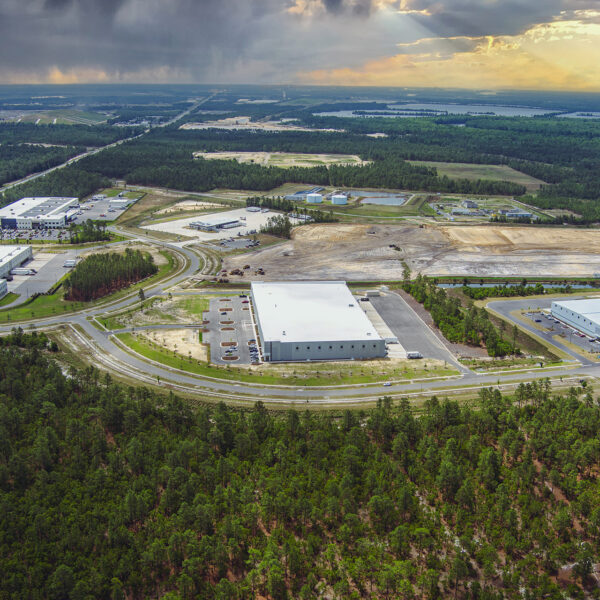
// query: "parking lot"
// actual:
[[34, 235], [237, 243], [554, 327], [98, 210], [50, 268], [412, 333], [230, 334]]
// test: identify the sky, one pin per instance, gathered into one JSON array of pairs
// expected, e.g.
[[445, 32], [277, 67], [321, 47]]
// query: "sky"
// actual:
[[476, 44]]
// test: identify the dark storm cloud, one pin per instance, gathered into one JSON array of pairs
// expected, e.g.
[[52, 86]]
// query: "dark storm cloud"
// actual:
[[477, 18], [240, 40]]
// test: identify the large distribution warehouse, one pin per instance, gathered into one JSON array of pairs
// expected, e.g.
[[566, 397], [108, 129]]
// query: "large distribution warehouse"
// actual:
[[12, 257], [38, 213], [299, 321], [583, 315]]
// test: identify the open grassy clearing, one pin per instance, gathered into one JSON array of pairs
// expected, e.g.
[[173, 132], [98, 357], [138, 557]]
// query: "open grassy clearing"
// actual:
[[159, 311], [284, 159], [416, 206], [313, 374], [112, 192], [476, 171], [62, 117]]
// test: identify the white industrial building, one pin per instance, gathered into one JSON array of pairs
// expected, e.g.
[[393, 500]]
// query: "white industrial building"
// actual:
[[314, 198], [339, 199], [302, 321], [3, 288], [215, 223], [583, 315], [39, 213], [12, 257], [120, 203]]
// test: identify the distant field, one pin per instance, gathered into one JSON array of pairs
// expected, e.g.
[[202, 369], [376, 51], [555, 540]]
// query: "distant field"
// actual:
[[475, 171], [284, 159], [62, 117]]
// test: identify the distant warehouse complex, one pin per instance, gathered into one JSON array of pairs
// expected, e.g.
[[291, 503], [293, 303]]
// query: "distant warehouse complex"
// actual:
[[215, 223], [583, 315], [39, 213], [300, 321], [12, 257]]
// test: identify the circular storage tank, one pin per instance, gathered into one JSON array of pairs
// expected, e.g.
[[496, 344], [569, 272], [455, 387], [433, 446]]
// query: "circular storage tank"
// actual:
[[339, 199], [314, 198]]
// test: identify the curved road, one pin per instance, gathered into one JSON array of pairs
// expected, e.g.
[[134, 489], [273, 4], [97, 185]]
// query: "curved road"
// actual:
[[110, 354]]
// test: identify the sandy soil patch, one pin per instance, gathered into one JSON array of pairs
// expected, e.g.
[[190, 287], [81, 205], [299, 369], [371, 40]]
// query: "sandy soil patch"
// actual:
[[187, 205], [182, 341], [159, 259], [247, 124], [284, 159], [365, 252]]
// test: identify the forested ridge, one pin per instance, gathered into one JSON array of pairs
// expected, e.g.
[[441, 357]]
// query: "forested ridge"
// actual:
[[109, 492], [101, 274]]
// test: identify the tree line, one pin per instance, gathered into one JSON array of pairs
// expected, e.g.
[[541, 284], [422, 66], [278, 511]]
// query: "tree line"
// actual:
[[470, 325], [102, 274], [88, 231], [19, 160], [110, 491]]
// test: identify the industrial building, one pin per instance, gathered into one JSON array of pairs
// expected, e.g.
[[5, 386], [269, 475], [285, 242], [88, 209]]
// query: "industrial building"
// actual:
[[339, 199], [314, 198], [301, 195], [215, 223], [12, 257], [583, 315], [39, 213], [303, 321], [121, 202]]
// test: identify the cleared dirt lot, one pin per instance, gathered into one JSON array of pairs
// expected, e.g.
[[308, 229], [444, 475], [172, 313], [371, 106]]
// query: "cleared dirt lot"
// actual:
[[363, 252], [284, 159]]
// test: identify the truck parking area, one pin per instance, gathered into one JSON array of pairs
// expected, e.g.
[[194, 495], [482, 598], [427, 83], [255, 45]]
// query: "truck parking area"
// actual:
[[50, 268], [230, 331]]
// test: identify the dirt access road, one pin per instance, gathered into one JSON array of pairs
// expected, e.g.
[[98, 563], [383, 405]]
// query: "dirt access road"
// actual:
[[364, 252]]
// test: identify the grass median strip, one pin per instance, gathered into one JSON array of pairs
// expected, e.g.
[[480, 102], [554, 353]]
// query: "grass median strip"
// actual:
[[301, 374]]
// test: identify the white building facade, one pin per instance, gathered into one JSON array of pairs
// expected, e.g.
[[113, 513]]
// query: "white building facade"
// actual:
[[313, 321]]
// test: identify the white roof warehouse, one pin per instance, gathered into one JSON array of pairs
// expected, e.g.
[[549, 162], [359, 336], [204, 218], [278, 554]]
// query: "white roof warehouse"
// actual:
[[299, 321], [37, 213]]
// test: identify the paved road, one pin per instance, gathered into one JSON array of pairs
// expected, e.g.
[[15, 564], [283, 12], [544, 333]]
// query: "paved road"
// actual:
[[505, 307], [101, 148]]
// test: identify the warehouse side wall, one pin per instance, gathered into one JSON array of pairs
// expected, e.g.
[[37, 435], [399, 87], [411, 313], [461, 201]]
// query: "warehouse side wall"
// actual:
[[575, 319]]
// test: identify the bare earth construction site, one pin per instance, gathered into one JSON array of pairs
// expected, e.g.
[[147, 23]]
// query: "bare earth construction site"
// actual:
[[376, 252]]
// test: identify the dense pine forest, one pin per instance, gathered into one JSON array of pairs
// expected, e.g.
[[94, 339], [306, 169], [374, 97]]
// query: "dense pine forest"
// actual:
[[18, 160], [102, 274], [114, 492], [469, 325]]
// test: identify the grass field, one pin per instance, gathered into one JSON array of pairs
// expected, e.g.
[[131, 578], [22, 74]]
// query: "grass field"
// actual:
[[10, 297], [283, 159], [314, 374], [416, 206], [63, 117], [475, 171]]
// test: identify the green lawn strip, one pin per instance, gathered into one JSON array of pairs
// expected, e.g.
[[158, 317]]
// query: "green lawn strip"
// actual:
[[8, 299], [50, 305], [148, 350]]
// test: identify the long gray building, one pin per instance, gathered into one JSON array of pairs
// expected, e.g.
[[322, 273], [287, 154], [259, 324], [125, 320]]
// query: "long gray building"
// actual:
[[302, 321], [12, 257]]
